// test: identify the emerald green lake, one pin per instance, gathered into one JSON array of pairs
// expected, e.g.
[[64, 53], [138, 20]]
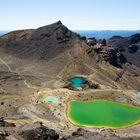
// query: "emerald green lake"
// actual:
[[101, 113], [77, 81]]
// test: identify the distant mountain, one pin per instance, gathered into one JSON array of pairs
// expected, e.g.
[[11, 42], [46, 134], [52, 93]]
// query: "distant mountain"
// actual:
[[107, 33], [3, 32]]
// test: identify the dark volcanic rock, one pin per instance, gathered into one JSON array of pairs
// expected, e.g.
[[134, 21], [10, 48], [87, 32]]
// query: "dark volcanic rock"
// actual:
[[82, 134], [92, 41], [3, 135], [133, 48], [107, 134], [40, 133], [6, 124], [134, 39], [107, 54], [129, 46]]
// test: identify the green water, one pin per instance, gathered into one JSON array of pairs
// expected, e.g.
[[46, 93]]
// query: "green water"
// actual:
[[101, 113], [77, 81], [50, 99]]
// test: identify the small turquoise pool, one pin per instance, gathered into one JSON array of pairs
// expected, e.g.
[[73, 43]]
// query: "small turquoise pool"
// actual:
[[77, 81], [50, 99]]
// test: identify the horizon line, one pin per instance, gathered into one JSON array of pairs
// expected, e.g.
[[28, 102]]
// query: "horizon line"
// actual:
[[77, 29]]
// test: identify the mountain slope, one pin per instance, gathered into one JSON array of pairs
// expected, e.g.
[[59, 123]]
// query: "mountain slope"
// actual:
[[55, 51], [39, 43], [37, 63]]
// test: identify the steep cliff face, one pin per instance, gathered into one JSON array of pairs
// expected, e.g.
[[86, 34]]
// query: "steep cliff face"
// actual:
[[108, 54], [129, 46]]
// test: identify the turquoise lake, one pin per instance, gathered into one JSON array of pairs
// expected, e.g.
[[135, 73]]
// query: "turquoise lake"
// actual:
[[77, 81]]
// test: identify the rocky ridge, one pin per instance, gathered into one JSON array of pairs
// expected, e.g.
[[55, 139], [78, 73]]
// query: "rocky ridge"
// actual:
[[129, 46]]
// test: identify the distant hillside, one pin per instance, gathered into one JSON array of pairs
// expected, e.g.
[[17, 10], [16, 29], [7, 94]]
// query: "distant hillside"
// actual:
[[107, 33]]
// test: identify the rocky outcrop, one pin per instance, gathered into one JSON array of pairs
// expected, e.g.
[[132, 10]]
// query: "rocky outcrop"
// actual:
[[82, 134], [37, 131], [108, 54], [129, 46], [5, 124], [92, 41], [3, 135], [40, 133]]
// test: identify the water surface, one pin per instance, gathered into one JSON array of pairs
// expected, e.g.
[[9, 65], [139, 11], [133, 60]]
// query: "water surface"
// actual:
[[50, 99], [101, 113], [77, 81]]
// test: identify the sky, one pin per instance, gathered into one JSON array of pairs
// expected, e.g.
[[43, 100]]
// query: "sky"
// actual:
[[75, 14]]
